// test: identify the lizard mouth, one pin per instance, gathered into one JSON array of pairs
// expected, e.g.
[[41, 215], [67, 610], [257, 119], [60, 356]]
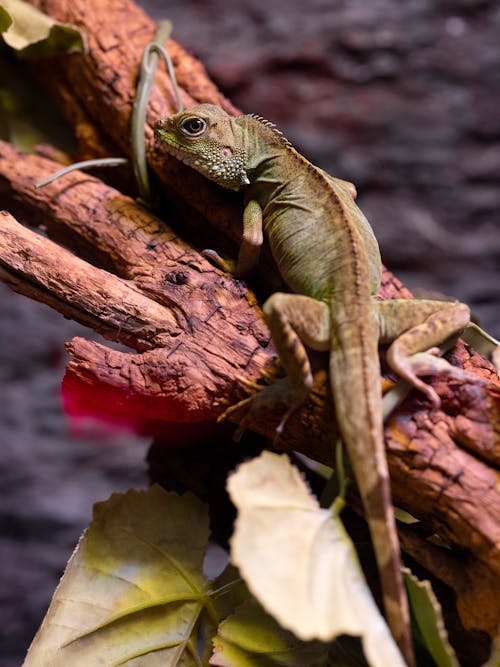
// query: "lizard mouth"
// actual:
[[223, 167], [172, 147]]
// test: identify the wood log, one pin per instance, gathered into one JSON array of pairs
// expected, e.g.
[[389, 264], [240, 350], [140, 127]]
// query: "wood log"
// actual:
[[101, 85], [196, 330], [161, 298]]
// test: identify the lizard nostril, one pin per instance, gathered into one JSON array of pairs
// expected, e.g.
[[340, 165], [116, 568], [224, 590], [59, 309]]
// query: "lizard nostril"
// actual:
[[226, 152]]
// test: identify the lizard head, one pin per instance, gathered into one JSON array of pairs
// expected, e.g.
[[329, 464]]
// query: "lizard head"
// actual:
[[207, 139]]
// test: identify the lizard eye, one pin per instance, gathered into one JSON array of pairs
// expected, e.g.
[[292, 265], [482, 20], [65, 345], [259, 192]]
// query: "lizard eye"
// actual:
[[193, 126]]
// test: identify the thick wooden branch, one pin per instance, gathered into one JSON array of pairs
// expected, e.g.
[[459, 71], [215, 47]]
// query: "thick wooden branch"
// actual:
[[475, 586], [113, 232], [195, 330], [101, 85], [167, 298]]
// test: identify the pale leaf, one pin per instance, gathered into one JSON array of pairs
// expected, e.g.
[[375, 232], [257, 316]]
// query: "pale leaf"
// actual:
[[252, 638], [298, 561], [427, 615], [33, 34], [133, 591]]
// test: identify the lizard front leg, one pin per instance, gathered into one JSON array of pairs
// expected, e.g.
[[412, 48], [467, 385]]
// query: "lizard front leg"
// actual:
[[294, 320], [251, 242], [415, 328]]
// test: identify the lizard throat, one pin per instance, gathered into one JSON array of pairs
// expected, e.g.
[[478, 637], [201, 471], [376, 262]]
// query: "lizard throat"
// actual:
[[225, 169]]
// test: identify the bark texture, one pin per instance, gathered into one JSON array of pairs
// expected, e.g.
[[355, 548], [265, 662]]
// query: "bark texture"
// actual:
[[126, 274]]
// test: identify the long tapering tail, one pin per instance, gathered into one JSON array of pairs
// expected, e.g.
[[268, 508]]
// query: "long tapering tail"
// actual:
[[356, 388]]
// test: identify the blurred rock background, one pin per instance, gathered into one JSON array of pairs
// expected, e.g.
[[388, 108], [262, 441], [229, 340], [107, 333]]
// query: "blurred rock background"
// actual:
[[402, 98]]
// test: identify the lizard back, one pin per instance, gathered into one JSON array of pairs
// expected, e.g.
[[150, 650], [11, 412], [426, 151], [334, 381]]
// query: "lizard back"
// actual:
[[318, 236]]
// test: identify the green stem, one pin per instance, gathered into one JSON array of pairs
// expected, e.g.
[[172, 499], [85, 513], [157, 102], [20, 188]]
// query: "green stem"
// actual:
[[222, 590], [171, 73], [149, 65], [336, 484], [394, 397], [480, 340], [337, 506], [86, 164]]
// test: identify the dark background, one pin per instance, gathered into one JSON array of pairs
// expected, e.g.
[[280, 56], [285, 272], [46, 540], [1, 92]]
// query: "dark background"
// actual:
[[402, 98]]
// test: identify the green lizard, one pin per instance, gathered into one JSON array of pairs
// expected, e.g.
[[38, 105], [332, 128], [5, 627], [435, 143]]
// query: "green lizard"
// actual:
[[327, 254]]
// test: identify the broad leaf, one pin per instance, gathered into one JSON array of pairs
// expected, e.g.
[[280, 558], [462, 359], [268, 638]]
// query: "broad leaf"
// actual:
[[133, 592], [33, 34], [252, 638], [228, 591], [427, 615], [5, 19], [298, 561]]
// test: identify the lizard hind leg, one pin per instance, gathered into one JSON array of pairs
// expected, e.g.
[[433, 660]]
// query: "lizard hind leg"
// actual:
[[294, 320], [415, 328]]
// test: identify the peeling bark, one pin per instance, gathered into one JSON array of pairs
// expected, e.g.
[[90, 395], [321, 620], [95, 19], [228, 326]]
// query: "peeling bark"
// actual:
[[195, 330]]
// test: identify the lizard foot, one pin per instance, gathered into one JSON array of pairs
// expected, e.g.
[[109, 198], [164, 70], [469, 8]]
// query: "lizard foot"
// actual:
[[432, 364], [251, 386], [268, 399]]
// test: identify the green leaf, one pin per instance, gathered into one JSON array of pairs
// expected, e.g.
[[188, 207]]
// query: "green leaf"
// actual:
[[427, 615], [5, 20], [133, 592], [228, 591], [252, 638], [34, 34], [404, 517], [299, 562]]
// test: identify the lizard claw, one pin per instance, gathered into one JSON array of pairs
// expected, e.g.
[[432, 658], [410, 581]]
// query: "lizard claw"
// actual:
[[263, 402], [431, 363], [281, 426], [234, 408], [250, 387], [427, 390]]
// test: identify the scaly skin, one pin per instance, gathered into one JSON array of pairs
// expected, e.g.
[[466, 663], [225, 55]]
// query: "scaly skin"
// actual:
[[326, 252]]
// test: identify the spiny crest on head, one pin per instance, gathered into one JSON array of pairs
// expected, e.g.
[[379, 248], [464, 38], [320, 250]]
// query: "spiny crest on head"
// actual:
[[272, 127]]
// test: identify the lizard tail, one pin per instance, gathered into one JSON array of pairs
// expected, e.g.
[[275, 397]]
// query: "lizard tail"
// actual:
[[356, 388]]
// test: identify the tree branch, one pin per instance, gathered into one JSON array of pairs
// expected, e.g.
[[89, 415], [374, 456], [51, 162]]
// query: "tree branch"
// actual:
[[195, 329]]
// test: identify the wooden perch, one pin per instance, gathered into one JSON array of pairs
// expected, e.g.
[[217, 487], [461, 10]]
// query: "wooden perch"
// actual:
[[98, 91], [194, 330], [163, 299]]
